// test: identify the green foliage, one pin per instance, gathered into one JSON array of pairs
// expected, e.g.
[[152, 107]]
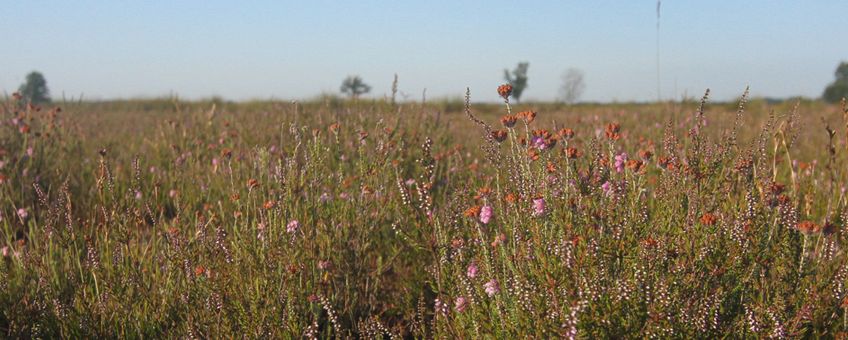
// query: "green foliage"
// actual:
[[518, 79], [839, 88], [353, 86], [34, 89]]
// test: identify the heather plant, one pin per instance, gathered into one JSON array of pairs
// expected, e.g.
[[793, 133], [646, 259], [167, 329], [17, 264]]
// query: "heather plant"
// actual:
[[374, 219]]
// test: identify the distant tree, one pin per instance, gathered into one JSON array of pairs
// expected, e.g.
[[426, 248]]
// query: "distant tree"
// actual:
[[353, 86], [34, 89], [839, 88], [572, 86], [518, 79]]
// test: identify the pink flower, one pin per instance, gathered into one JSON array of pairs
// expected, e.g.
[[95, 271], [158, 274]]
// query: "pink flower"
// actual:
[[440, 307], [539, 142], [538, 206], [460, 304], [173, 193], [22, 213], [472, 270], [492, 287], [325, 265], [620, 161], [486, 214], [607, 187], [292, 226]]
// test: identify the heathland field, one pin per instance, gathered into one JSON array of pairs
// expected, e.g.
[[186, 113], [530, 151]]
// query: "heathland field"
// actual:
[[373, 219]]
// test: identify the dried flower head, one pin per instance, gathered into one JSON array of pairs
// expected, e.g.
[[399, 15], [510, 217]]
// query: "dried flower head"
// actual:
[[528, 116], [571, 152], [566, 133], [499, 135], [808, 227], [472, 211], [505, 91], [509, 120], [708, 219], [612, 131]]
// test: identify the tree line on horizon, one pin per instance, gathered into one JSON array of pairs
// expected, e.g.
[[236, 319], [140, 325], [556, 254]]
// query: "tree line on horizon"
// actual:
[[35, 90]]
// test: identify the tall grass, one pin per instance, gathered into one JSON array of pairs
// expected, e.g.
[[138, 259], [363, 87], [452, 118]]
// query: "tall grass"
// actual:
[[376, 219]]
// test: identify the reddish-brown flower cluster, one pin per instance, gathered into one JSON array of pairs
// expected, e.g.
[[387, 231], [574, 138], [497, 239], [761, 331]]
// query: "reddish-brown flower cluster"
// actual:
[[472, 211], [808, 227], [650, 243], [483, 192], [226, 153], [566, 133], [500, 239], [645, 154], [636, 165], [547, 138], [505, 91], [509, 120], [270, 204], [528, 116], [510, 198], [572, 152], [533, 154], [612, 131], [708, 219], [667, 163], [252, 183], [499, 135]]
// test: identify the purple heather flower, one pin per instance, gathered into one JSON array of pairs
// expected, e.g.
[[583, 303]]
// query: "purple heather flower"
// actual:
[[292, 226], [486, 214], [607, 187], [460, 304], [539, 142], [538, 206], [492, 287], [620, 161], [472, 270], [325, 197], [22, 213]]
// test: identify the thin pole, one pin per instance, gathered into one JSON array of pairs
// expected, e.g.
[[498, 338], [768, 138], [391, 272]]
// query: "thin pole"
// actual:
[[659, 95]]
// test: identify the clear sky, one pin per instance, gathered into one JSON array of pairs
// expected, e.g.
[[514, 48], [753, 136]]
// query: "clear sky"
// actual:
[[298, 49]]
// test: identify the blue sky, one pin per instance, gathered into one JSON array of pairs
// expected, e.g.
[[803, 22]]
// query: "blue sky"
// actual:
[[298, 49]]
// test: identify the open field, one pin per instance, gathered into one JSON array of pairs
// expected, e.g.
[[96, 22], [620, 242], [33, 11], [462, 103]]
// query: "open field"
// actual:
[[370, 219]]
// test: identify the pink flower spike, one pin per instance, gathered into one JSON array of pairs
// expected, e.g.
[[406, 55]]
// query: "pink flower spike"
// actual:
[[460, 304], [486, 214], [620, 161], [538, 206], [292, 226], [472, 270], [492, 287]]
